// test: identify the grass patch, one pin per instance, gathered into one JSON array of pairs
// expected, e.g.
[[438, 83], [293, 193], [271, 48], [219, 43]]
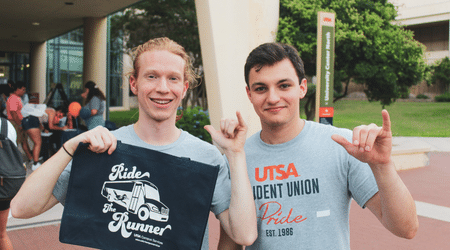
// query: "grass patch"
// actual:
[[425, 119], [123, 118]]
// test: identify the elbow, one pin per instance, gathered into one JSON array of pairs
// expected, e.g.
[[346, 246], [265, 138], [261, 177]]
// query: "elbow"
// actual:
[[247, 239], [20, 210], [409, 231], [412, 231], [16, 210]]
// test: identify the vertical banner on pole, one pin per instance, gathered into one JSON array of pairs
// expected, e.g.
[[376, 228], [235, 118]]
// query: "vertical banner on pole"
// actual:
[[325, 67]]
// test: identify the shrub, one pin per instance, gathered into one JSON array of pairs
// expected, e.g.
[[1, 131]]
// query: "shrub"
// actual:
[[193, 121], [422, 96], [443, 98]]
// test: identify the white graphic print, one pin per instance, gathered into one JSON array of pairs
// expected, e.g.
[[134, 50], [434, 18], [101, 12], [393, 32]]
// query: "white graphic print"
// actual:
[[136, 199]]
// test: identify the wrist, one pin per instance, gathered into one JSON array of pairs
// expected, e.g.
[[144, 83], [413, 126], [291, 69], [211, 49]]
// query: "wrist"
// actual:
[[383, 166], [232, 153]]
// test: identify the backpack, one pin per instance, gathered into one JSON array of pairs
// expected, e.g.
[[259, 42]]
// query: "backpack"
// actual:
[[12, 169]]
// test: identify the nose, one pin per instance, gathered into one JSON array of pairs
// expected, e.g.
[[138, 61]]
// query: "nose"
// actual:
[[273, 97], [163, 86]]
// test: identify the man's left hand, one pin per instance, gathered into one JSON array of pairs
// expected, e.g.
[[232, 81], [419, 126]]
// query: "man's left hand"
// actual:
[[371, 144]]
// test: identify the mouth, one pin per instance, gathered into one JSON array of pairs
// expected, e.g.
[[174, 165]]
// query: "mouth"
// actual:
[[273, 109], [161, 101]]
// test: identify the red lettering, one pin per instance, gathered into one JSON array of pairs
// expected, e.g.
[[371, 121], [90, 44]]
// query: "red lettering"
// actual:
[[291, 171], [270, 171], [276, 217], [327, 19], [257, 178], [280, 171]]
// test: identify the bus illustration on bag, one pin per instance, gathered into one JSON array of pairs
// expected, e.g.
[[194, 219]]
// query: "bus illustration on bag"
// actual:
[[139, 197]]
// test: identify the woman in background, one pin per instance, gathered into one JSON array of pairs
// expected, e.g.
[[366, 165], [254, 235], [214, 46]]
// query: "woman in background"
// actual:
[[95, 101]]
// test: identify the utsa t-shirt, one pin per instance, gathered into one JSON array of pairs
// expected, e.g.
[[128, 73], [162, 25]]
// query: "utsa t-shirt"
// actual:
[[303, 188]]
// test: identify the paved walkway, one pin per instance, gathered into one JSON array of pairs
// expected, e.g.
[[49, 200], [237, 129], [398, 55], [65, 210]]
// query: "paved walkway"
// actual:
[[429, 186]]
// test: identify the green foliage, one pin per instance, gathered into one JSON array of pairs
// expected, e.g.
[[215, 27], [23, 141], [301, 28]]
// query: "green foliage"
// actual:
[[369, 48], [443, 98], [422, 96], [175, 19], [193, 121], [440, 72]]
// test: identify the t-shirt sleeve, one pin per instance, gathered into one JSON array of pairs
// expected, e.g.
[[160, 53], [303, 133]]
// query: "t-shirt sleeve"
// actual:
[[60, 189], [362, 183], [95, 103], [222, 191], [14, 103]]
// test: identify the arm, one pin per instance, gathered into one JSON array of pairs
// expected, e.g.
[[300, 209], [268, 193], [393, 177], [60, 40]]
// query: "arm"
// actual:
[[239, 221], [35, 196], [226, 243], [16, 118], [393, 205]]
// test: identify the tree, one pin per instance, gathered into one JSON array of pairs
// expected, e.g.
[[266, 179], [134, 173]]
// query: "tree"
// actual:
[[370, 48], [175, 19], [440, 72]]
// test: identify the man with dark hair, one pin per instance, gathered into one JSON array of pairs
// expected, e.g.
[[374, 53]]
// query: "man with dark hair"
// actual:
[[304, 174]]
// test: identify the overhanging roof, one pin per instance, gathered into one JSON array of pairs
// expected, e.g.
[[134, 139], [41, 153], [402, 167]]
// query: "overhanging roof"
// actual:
[[19, 18]]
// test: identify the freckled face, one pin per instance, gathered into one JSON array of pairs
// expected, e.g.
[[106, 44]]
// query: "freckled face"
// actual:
[[275, 92], [159, 84]]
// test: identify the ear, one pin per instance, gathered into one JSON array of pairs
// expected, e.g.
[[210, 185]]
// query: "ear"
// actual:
[[303, 88], [133, 85], [186, 87]]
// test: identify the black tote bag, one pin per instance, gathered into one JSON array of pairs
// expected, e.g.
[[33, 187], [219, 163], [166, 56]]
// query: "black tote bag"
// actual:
[[137, 198]]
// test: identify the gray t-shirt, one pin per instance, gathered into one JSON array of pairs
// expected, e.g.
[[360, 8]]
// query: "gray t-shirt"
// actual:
[[186, 146], [303, 188], [97, 119], [98, 104]]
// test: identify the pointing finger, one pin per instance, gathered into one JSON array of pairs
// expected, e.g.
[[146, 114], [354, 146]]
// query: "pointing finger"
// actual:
[[386, 121], [240, 119]]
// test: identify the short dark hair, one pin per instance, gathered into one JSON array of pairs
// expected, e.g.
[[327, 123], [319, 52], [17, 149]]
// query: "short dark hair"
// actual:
[[18, 85], [268, 54]]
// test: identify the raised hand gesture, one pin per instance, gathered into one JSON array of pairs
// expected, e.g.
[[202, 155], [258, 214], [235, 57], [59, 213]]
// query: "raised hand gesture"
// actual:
[[232, 134], [371, 144]]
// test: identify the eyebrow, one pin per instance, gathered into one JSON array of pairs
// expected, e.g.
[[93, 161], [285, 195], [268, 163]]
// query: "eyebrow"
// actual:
[[263, 84]]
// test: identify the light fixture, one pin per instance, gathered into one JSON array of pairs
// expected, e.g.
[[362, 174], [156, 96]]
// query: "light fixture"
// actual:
[[35, 23]]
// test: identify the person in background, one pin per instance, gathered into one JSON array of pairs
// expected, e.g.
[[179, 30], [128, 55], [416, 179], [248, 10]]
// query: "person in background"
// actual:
[[4, 89], [14, 111], [95, 101], [52, 122]]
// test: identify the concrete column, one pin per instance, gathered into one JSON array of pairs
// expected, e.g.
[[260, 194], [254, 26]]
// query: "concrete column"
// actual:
[[229, 30], [94, 51], [38, 69]]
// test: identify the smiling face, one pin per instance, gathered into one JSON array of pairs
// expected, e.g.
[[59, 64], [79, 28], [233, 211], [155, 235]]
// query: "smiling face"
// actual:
[[275, 93], [159, 85]]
